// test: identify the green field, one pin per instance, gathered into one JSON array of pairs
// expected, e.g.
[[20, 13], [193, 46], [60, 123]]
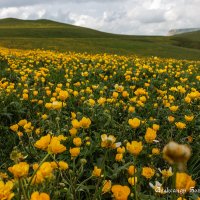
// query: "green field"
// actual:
[[33, 34]]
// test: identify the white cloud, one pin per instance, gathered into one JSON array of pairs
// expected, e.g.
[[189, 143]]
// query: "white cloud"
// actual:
[[145, 17]]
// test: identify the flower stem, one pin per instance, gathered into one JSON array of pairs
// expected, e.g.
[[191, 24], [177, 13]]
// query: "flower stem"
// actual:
[[174, 181], [29, 183], [135, 184], [22, 188]]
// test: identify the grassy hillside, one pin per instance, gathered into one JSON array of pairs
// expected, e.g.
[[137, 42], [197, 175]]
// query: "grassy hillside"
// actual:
[[31, 34], [190, 40]]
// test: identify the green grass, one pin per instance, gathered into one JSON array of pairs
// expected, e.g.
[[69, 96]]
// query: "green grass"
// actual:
[[33, 34]]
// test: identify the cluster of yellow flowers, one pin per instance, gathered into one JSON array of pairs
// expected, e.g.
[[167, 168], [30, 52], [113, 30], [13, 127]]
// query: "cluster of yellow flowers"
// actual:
[[104, 126], [51, 144]]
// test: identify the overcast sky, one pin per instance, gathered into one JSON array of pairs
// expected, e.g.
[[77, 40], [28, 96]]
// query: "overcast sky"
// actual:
[[143, 17]]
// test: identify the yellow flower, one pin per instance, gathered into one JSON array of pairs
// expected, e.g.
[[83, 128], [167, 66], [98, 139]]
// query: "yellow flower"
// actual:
[[75, 93], [119, 88], [132, 180], [35, 93], [57, 105], [19, 170], [25, 96], [121, 150], [38, 178], [63, 165], [166, 173], [134, 147], [134, 123], [180, 125], [14, 127], [156, 127], [107, 184], [55, 146], [73, 115], [155, 151], [140, 91], [6, 190], [38, 131], [77, 141], [131, 170], [76, 124], [125, 94], [39, 196], [96, 172], [74, 151], [109, 141], [3, 175], [101, 100], [48, 105], [73, 131], [44, 116], [22, 122], [176, 153], [27, 125], [46, 169], [85, 122], [171, 119], [189, 118], [91, 102], [61, 137], [63, 95], [173, 108], [54, 165], [120, 192], [150, 135], [181, 198], [43, 142], [119, 157], [184, 182], [148, 172], [115, 95], [189, 138], [35, 166], [48, 92], [131, 109], [19, 133]]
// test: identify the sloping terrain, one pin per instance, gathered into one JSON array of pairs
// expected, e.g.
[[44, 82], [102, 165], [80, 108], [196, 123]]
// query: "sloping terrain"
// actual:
[[33, 34]]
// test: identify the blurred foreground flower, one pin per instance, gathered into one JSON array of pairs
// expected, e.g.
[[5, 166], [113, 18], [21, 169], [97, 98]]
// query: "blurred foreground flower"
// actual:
[[175, 153]]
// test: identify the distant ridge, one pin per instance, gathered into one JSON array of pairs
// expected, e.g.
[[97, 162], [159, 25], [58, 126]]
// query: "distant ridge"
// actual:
[[180, 31]]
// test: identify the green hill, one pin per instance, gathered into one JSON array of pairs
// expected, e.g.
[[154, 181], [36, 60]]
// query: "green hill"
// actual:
[[189, 40], [32, 34]]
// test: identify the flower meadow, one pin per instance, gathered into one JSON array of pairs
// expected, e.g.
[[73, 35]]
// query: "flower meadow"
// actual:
[[80, 126]]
